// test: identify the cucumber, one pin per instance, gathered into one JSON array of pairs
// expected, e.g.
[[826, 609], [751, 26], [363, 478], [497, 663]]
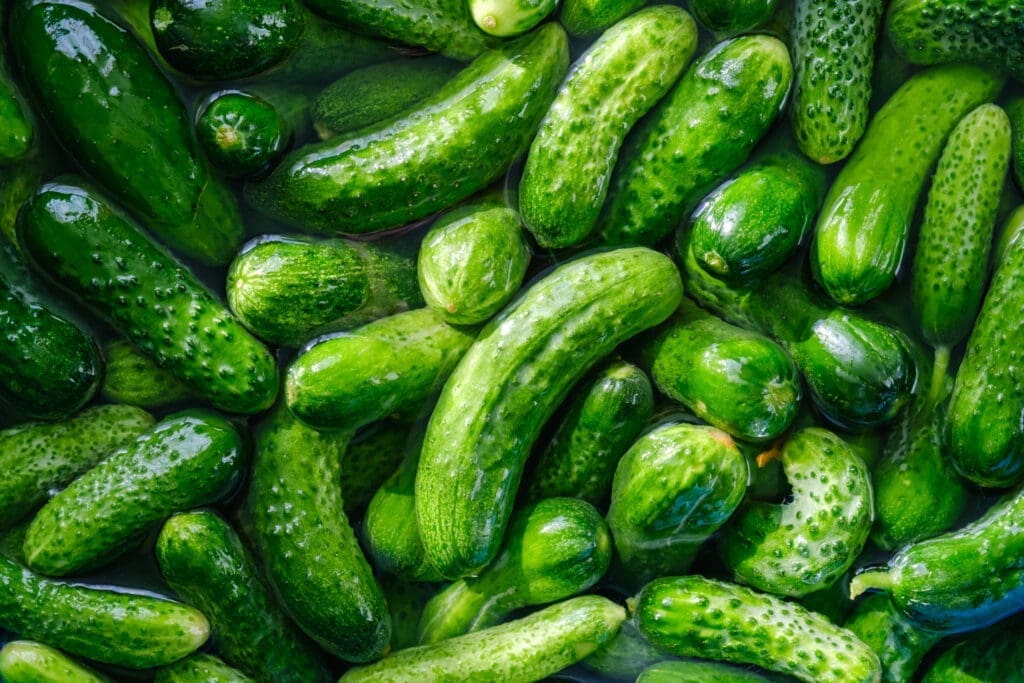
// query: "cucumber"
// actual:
[[994, 654], [553, 550], [371, 458], [294, 505], [407, 167], [1015, 110], [609, 88], [697, 671], [508, 18], [241, 134], [899, 644], [588, 17], [472, 261], [105, 82], [406, 600], [699, 134], [134, 379], [737, 380], [17, 183], [834, 57], [292, 101], [204, 561], [391, 365], [733, 16], [862, 229], [38, 458], [691, 616], [288, 290], [510, 382], [604, 415], [135, 631], [25, 661], [520, 651], [673, 490], [17, 129], [625, 656], [200, 668], [145, 294]]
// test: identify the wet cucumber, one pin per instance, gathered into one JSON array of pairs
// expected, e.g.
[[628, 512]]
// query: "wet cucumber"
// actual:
[[588, 17], [994, 654], [17, 128], [697, 671], [733, 16], [25, 661], [899, 644], [200, 668], [373, 455], [241, 134], [507, 18], [17, 183], [134, 379]]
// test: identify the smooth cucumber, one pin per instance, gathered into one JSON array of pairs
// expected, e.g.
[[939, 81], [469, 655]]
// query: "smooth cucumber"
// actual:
[[201, 668], [733, 16], [696, 671], [241, 134], [133, 379], [588, 17], [899, 644], [1015, 110], [508, 18], [994, 654], [625, 656], [373, 455], [17, 129], [25, 661]]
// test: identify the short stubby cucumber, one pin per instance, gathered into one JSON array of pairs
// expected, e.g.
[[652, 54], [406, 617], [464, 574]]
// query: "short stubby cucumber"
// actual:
[[405, 168], [588, 17], [700, 132], [697, 671], [899, 644], [133, 379], [691, 616], [25, 661], [994, 654], [512, 380], [733, 16], [83, 243], [372, 456], [201, 668], [241, 134], [862, 229], [570, 162], [507, 18]]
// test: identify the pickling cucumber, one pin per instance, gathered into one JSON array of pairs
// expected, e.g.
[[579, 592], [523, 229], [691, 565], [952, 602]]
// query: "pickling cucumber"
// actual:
[[25, 661], [373, 455], [733, 16], [134, 379], [1015, 110], [587, 17], [696, 671], [994, 654], [17, 128], [241, 133], [899, 644], [625, 656], [507, 18], [17, 183], [201, 668]]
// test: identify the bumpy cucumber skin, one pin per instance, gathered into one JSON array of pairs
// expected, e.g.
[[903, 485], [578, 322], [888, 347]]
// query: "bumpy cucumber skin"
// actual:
[[951, 260], [833, 55], [204, 561], [699, 133], [288, 290], [697, 672], [733, 16], [37, 458], [588, 17], [1015, 110], [608, 410], [84, 244], [691, 616], [294, 505], [570, 162], [507, 18], [241, 133], [994, 654], [673, 489], [135, 631], [93, 88], [510, 382], [862, 229], [200, 668], [405, 168], [25, 661], [899, 644], [373, 455], [190, 459], [133, 379], [519, 651]]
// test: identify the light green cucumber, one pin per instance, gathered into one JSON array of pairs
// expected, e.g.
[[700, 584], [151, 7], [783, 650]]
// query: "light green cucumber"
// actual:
[[697, 671], [733, 16], [132, 378], [201, 668], [507, 18], [372, 456], [25, 661], [899, 644], [587, 17]]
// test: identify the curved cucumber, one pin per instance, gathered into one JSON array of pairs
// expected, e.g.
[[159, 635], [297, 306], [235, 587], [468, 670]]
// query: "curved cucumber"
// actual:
[[507, 18], [509, 383], [587, 17], [609, 88], [24, 661], [994, 654], [733, 16], [697, 672], [200, 668], [241, 134], [134, 379], [899, 644]]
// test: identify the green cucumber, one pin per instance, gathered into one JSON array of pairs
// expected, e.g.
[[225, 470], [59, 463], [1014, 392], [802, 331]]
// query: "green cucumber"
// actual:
[[512, 380], [406, 600], [862, 229], [588, 17], [673, 490], [472, 261], [604, 415], [127, 629], [1015, 110], [81, 241], [25, 661], [524, 650], [17, 183], [625, 656], [609, 88], [241, 134], [200, 668], [294, 505], [288, 290], [834, 56], [93, 89], [508, 18], [699, 133], [899, 644], [696, 671], [733, 16], [17, 129], [204, 561], [691, 616], [37, 458], [994, 654], [407, 167], [392, 365], [553, 550], [371, 458], [134, 379], [1014, 224]]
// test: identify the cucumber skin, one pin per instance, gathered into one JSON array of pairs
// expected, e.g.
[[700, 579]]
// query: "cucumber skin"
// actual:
[[37, 458], [189, 459], [570, 162], [201, 668], [587, 17], [899, 644], [520, 651], [156, 172], [625, 656], [135, 631], [18, 129], [1015, 110], [733, 16], [204, 561], [994, 654], [509, 18], [863, 226], [691, 616], [373, 455], [25, 661], [511, 380], [410, 166], [697, 672], [134, 379], [241, 133], [172, 318]]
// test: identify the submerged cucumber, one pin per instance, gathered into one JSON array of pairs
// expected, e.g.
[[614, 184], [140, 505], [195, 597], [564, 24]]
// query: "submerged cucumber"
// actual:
[[587, 17], [899, 644], [697, 671], [24, 661], [994, 654], [733, 16], [200, 668], [134, 379], [241, 133]]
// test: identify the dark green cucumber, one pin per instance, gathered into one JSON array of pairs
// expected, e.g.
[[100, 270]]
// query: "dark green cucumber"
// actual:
[[392, 365], [1015, 110], [17, 183], [371, 458], [899, 644], [309, 550], [17, 129], [1014, 224], [406, 600], [508, 18], [697, 671], [588, 17], [292, 101], [994, 654], [862, 229], [135, 631], [625, 656], [512, 380], [609, 88], [241, 134], [25, 661], [407, 167], [699, 133], [553, 550], [204, 561], [134, 379], [38, 458], [691, 616], [472, 261], [200, 668], [95, 89], [673, 489], [605, 414], [87, 246], [520, 651], [733, 16]]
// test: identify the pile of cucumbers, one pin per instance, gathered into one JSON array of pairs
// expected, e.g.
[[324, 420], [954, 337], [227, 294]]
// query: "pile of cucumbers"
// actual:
[[511, 340]]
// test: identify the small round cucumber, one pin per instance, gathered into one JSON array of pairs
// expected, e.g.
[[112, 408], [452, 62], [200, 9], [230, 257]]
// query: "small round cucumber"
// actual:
[[584, 18], [25, 661], [132, 378], [200, 668], [733, 16], [697, 671], [898, 642], [241, 133], [507, 18]]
